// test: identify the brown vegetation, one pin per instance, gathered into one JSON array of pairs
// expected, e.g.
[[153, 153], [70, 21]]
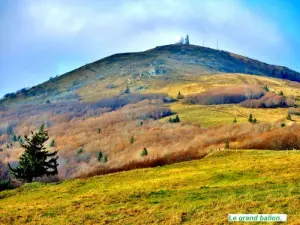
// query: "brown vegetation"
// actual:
[[226, 95], [269, 100], [75, 129], [286, 138]]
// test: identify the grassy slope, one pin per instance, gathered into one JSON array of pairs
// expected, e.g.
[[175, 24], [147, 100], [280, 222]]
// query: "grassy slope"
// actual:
[[195, 192], [209, 115]]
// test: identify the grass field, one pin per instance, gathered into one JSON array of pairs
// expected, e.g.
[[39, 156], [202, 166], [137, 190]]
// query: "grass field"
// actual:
[[195, 192], [210, 115]]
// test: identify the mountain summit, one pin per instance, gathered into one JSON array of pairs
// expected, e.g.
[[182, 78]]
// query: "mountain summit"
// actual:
[[139, 69]]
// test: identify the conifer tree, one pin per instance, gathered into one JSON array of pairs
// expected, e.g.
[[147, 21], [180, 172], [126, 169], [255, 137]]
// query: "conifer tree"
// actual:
[[180, 96], [100, 156], [266, 88], [15, 139], [105, 159], [36, 161], [250, 119], [20, 141]]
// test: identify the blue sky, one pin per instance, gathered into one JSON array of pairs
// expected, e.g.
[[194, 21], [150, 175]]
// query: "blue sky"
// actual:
[[42, 38]]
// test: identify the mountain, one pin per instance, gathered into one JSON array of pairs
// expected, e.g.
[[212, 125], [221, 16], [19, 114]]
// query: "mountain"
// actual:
[[141, 71], [179, 102]]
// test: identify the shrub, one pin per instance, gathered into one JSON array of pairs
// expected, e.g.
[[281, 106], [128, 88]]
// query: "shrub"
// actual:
[[52, 143], [99, 130], [174, 120], [269, 100], [281, 93], [79, 151], [235, 120], [266, 88], [288, 117], [144, 152], [131, 140], [111, 86], [226, 95], [227, 144], [21, 142], [282, 125]]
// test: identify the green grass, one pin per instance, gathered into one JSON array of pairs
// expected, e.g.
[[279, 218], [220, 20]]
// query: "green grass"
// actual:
[[211, 115], [196, 192]]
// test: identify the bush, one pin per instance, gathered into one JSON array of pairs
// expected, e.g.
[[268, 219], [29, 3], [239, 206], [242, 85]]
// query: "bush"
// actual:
[[227, 144], [79, 151], [52, 143], [131, 140], [99, 130], [266, 88], [111, 86], [288, 117], [269, 100], [235, 120], [174, 120], [144, 152]]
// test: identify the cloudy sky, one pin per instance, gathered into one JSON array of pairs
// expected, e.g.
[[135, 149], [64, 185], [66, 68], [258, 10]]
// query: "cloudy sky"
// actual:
[[43, 38]]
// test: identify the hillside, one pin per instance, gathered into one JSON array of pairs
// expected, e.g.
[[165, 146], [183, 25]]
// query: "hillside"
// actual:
[[126, 103], [196, 192], [142, 71]]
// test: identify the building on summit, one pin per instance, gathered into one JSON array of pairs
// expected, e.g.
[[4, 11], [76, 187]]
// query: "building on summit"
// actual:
[[183, 41]]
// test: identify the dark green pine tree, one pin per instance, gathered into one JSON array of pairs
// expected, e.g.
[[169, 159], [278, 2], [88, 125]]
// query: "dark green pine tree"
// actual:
[[100, 156], [36, 161], [15, 139], [250, 119]]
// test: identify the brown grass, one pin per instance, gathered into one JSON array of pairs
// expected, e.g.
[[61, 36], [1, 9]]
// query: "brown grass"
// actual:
[[226, 95]]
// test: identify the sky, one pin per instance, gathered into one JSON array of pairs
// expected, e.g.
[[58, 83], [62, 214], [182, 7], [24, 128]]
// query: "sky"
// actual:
[[40, 39]]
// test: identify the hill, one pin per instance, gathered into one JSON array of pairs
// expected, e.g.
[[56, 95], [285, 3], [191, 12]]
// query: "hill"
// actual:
[[196, 192], [142, 71], [124, 103]]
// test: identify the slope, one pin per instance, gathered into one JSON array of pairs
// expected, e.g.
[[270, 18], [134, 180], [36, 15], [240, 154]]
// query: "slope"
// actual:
[[141, 71], [195, 192]]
